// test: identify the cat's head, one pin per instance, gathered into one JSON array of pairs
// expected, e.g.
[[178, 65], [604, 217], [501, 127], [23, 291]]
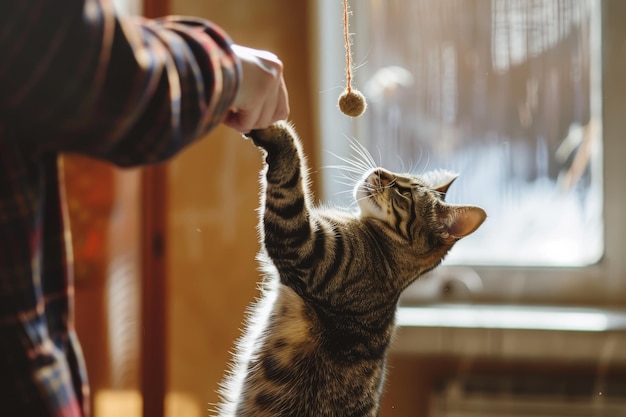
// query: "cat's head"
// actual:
[[415, 212]]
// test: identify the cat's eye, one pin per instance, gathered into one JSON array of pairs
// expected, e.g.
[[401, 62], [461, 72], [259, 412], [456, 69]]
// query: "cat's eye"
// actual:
[[404, 192]]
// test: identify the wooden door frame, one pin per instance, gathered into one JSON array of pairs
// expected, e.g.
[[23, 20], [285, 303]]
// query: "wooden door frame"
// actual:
[[153, 290], [154, 272]]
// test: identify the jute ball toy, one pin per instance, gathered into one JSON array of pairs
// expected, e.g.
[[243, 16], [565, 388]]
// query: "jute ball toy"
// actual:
[[351, 102]]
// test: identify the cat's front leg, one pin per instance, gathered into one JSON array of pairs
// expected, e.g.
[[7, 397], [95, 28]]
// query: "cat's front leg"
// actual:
[[285, 201]]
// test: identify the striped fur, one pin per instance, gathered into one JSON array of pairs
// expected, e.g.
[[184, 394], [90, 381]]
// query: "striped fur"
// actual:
[[316, 341]]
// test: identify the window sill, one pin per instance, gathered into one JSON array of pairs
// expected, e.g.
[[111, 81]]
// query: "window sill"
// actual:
[[512, 332]]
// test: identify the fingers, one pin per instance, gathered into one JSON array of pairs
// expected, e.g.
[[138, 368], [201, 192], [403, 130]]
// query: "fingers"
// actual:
[[262, 98], [274, 108]]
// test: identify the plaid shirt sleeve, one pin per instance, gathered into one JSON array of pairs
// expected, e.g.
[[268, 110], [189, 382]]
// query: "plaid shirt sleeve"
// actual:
[[76, 77]]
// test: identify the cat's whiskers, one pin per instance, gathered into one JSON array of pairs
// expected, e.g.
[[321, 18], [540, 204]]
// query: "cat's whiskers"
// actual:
[[366, 156], [365, 197], [347, 178], [350, 186], [342, 192], [361, 158], [354, 167], [345, 168]]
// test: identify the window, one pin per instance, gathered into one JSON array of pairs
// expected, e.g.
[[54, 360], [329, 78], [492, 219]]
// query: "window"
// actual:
[[508, 93]]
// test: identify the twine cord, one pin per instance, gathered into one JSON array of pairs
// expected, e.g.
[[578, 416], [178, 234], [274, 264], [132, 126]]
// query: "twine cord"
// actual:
[[346, 39]]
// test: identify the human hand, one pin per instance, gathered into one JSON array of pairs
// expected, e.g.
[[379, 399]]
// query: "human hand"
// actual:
[[262, 98]]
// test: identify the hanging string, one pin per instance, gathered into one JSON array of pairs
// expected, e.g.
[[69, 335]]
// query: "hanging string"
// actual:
[[351, 102], [346, 40]]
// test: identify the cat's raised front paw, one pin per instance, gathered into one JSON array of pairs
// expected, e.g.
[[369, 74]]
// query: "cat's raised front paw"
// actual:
[[274, 133]]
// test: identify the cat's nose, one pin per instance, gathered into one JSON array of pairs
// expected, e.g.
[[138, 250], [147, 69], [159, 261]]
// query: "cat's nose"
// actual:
[[383, 176]]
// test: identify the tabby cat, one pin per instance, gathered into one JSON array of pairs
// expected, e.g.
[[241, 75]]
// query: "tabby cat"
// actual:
[[316, 340]]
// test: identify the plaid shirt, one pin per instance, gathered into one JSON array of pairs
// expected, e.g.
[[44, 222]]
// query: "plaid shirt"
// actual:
[[76, 77]]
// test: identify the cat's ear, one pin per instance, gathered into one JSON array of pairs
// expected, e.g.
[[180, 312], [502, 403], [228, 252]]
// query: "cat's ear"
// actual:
[[464, 220], [443, 188], [440, 180]]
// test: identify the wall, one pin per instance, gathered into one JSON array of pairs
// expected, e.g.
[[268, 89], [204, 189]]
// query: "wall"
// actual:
[[212, 196]]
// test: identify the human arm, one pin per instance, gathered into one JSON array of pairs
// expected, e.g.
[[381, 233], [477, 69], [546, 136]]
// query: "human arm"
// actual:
[[74, 76]]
